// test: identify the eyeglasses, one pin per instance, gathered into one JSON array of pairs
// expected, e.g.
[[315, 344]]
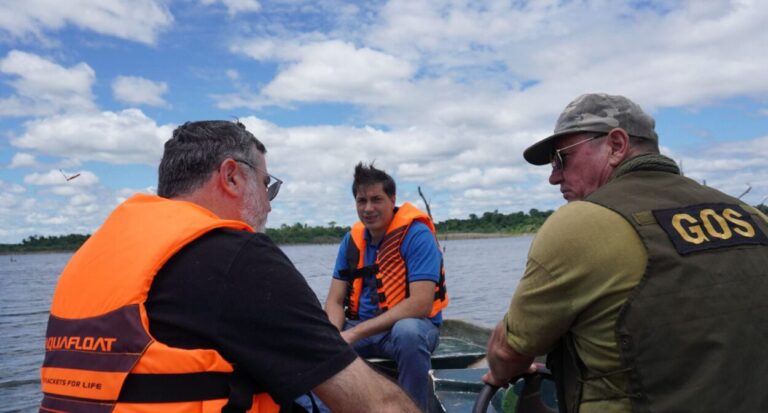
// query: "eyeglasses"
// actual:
[[558, 158], [273, 188]]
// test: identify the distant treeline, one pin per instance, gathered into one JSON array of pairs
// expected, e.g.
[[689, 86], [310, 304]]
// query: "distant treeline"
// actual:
[[496, 222], [304, 234], [488, 223], [37, 243]]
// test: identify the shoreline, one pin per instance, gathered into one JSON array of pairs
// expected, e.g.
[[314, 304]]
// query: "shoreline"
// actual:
[[480, 235], [52, 251], [450, 236]]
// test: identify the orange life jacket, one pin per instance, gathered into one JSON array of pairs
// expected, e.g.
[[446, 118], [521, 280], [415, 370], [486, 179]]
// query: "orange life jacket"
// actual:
[[390, 268], [100, 355]]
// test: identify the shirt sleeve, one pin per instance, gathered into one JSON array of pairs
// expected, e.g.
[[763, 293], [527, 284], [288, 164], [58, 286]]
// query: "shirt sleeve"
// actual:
[[341, 257], [582, 265], [421, 254], [273, 324]]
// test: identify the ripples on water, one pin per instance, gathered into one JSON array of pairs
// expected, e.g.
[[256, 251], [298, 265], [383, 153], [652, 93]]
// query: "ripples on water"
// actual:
[[481, 276], [26, 286]]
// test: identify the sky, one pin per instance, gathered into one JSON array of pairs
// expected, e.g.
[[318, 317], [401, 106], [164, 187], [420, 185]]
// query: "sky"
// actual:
[[444, 95]]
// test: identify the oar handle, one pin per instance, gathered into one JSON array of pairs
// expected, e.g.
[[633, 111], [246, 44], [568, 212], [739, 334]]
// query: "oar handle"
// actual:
[[531, 379], [484, 398]]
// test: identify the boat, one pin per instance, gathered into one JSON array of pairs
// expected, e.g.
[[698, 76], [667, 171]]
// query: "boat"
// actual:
[[455, 380]]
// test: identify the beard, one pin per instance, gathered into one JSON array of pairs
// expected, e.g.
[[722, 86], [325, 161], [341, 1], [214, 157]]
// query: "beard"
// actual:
[[255, 211]]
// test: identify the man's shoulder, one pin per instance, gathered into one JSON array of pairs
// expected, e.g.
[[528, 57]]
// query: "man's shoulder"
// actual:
[[418, 227], [234, 236], [222, 243], [419, 235], [581, 216], [581, 224]]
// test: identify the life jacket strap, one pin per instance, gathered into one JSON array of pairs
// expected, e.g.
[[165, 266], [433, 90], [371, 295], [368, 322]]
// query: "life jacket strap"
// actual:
[[351, 274], [241, 391], [166, 388], [441, 291]]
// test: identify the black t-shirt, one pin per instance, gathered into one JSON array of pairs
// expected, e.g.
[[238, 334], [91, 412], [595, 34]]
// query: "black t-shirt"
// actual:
[[237, 292]]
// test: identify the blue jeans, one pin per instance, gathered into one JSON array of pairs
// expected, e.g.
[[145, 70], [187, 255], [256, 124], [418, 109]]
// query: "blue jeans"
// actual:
[[410, 344]]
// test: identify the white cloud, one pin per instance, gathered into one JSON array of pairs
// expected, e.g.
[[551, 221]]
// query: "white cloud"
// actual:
[[45, 219], [128, 136], [464, 87], [49, 205], [732, 167], [338, 71], [316, 164], [139, 91], [136, 20], [514, 65], [44, 87], [330, 71], [10, 196], [236, 6], [452, 93], [22, 160]]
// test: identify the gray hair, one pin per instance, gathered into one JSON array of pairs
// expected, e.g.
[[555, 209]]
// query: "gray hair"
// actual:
[[197, 149]]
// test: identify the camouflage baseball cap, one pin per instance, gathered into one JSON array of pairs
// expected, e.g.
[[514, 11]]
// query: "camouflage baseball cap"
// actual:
[[594, 112]]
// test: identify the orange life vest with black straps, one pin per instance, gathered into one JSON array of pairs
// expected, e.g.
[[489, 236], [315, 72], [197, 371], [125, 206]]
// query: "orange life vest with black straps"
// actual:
[[100, 356], [390, 268]]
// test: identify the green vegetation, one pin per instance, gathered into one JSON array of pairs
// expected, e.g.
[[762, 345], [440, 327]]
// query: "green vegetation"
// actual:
[[488, 223], [496, 223], [37, 243], [304, 234]]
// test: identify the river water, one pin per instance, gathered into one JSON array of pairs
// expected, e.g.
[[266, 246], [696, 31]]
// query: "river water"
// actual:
[[481, 275]]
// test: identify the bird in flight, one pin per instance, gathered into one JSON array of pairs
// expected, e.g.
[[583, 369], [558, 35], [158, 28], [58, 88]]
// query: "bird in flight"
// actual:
[[69, 178]]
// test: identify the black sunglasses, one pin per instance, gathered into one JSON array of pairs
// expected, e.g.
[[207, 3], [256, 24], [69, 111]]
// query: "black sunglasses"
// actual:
[[274, 187]]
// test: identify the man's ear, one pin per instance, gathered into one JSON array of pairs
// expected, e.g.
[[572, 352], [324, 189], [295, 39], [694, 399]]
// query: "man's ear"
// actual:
[[230, 180], [618, 142]]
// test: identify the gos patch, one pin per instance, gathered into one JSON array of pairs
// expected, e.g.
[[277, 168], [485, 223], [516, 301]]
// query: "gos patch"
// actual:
[[709, 226]]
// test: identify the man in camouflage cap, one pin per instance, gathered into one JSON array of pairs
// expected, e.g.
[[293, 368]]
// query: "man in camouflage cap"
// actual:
[[643, 289]]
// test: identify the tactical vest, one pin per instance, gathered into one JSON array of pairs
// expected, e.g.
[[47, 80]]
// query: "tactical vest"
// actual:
[[100, 356], [692, 333], [389, 269]]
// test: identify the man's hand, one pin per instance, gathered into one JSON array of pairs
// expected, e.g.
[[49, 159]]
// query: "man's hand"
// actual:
[[349, 336], [504, 362], [495, 381], [418, 305]]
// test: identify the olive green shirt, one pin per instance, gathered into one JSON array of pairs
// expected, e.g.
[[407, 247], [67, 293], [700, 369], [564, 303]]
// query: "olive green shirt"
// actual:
[[582, 265]]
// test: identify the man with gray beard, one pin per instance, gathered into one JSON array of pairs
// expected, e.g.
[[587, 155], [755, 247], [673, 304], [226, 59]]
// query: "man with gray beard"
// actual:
[[201, 311]]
